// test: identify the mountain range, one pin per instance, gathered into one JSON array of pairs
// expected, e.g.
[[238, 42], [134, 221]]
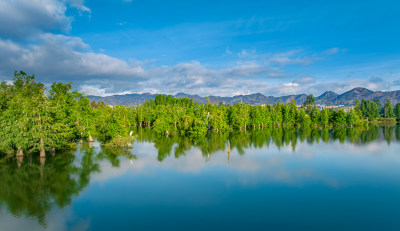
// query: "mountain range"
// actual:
[[328, 98]]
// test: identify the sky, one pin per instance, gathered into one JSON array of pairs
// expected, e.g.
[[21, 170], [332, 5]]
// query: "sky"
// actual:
[[218, 47]]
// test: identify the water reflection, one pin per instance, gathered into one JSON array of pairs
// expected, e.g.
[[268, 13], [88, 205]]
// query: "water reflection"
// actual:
[[279, 137], [33, 186]]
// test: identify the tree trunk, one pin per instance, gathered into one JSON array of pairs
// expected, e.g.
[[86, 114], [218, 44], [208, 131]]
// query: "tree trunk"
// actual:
[[53, 151], [90, 138], [19, 160], [20, 152], [42, 153]]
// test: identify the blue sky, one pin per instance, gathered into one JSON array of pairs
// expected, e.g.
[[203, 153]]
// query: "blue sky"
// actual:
[[203, 47]]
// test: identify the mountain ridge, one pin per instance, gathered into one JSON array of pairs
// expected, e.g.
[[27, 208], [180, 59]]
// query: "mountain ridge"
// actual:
[[328, 98]]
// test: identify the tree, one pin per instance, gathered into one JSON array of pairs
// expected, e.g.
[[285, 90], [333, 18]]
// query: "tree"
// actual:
[[352, 118], [340, 118], [388, 109], [309, 103], [397, 111], [28, 122], [324, 117]]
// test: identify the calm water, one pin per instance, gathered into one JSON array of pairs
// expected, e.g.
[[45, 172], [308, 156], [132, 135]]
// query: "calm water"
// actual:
[[282, 180]]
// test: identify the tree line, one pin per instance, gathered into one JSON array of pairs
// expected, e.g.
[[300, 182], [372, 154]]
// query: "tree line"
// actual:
[[166, 114], [34, 118]]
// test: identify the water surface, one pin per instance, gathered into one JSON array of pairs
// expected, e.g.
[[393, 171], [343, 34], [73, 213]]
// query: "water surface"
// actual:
[[286, 179]]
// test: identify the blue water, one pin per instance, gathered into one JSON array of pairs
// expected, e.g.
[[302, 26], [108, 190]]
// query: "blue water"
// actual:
[[318, 186]]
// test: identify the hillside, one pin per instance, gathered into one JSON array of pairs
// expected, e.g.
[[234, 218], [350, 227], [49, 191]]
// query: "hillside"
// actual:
[[327, 98]]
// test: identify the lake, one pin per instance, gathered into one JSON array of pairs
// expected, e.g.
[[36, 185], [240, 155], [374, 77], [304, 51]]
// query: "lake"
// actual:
[[285, 179]]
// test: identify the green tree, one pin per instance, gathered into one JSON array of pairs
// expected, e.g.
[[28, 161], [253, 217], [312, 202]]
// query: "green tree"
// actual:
[[397, 111], [324, 117], [352, 118], [340, 118], [309, 103], [388, 109]]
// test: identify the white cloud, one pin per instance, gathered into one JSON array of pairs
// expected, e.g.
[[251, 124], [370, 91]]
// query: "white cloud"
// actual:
[[21, 18], [29, 43], [59, 57], [65, 58], [78, 4]]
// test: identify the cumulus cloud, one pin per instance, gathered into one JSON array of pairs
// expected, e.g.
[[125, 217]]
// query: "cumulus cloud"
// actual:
[[65, 58], [335, 86], [54, 57], [62, 57], [32, 40], [21, 18]]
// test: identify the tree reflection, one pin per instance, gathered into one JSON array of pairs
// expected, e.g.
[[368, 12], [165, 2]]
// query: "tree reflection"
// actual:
[[258, 138], [398, 133], [32, 186], [388, 133]]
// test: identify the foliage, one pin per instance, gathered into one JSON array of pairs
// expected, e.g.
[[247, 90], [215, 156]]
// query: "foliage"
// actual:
[[397, 111], [388, 109], [34, 118]]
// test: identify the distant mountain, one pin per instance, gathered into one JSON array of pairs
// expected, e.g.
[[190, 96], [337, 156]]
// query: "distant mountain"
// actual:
[[349, 97], [129, 99], [299, 99], [328, 98], [196, 98]]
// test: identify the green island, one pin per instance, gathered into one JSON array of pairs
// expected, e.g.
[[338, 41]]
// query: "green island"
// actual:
[[37, 119]]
